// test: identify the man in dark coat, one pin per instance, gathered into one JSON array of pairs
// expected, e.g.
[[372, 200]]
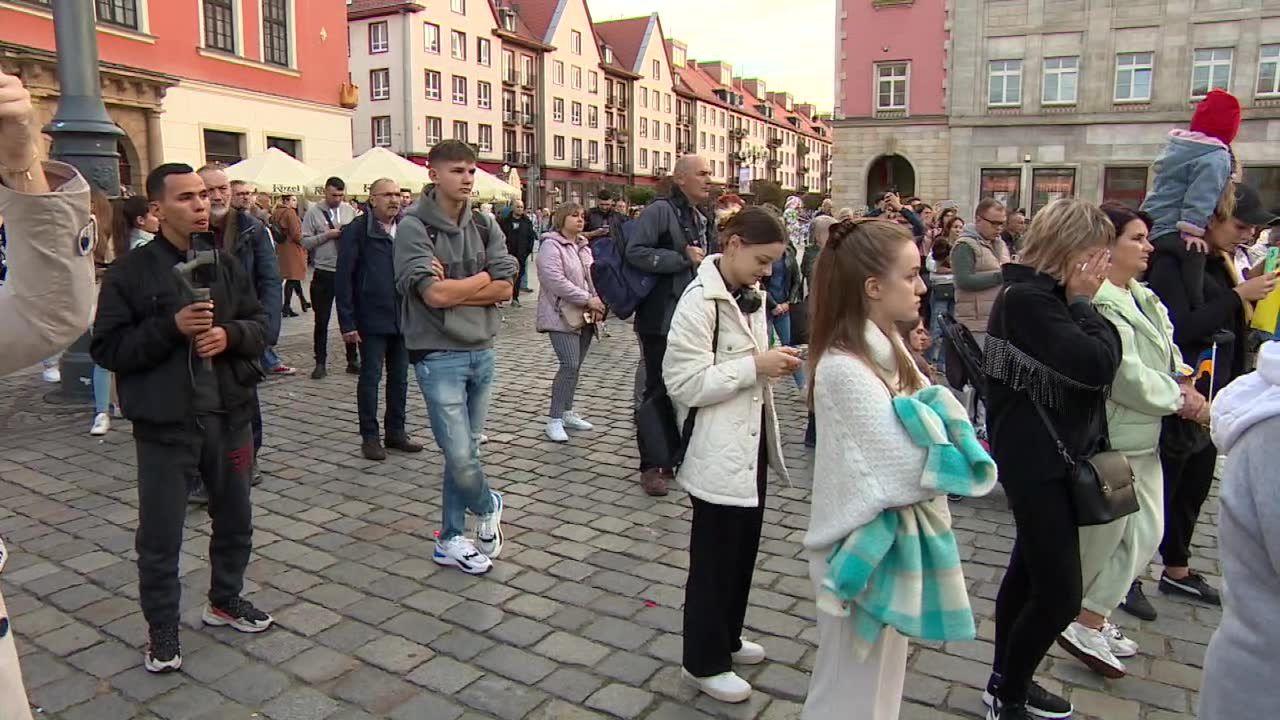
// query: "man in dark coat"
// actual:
[[520, 232]]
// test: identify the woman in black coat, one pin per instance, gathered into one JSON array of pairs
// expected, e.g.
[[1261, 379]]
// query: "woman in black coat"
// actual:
[[1045, 341]]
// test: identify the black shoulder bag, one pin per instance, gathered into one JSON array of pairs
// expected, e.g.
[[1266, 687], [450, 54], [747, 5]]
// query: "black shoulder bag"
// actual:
[[1101, 485]]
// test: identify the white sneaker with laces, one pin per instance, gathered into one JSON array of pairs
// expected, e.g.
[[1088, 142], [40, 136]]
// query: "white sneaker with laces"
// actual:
[[52, 374], [489, 529], [726, 687], [574, 421], [461, 553], [101, 424], [555, 431], [1091, 648], [1121, 646], [749, 654]]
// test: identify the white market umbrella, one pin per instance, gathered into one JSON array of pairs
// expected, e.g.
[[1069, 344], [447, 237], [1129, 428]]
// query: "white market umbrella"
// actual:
[[274, 171], [374, 164], [489, 188]]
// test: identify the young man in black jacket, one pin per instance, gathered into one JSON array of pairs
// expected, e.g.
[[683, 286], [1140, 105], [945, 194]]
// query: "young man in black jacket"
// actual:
[[186, 372], [521, 234]]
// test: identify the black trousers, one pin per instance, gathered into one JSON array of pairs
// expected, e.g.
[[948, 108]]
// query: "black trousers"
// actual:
[[222, 457], [1041, 591], [323, 287], [290, 287], [722, 559], [652, 349], [376, 351], [1187, 480], [520, 276]]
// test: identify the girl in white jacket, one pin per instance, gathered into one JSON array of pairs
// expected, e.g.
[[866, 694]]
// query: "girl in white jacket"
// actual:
[[867, 280], [734, 440]]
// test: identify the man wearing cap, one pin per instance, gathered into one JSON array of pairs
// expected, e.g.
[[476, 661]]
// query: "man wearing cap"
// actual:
[[1216, 330]]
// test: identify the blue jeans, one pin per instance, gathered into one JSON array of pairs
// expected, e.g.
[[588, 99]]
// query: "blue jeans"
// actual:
[[376, 351], [101, 389], [938, 307], [780, 325], [456, 387], [270, 359]]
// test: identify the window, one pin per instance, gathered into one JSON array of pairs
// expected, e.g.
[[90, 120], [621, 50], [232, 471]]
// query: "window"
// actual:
[[575, 42], [644, 158], [593, 152], [484, 94], [1049, 184], [644, 128], [1005, 78], [1060, 74], [577, 149], [433, 84], [667, 128], [557, 72], [458, 44], [527, 143], [593, 82], [482, 52], [557, 109], [125, 12], [290, 146], [220, 25], [380, 84], [431, 38], [379, 40], [1269, 70], [459, 90], [508, 66], [1003, 184], [526, 104], [666, 102], [275, 30], [224, 147], [460, 130], [435, 130], [485, 138], [891, 86], [458, 6], [1133, 77], [1125, 185], [575, 73], [508, 142], [721, 143], [593, 116], [1210, 69], [657, 70], [381, 130], [608, 55], [644, 97], [526, 70], [702, 141], [575, 113], [557, 147]]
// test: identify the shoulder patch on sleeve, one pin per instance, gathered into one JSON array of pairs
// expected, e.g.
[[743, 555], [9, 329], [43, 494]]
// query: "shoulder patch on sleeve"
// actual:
[[88, 234]]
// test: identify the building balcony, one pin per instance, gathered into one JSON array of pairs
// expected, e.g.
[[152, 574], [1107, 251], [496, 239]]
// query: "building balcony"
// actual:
[[774, 143], [579, 163], [772, 164], [620, 102], [682, 149], [526, 119], [513, 157], [528, 82], [510, 78], [802, 148], [509, 117], [737, 133], [659, 170], [684, 119]]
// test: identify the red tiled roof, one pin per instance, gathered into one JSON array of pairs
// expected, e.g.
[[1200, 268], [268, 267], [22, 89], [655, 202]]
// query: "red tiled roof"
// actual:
[[625, 37], [522, 29], [359, 9], [537, 15], [703, 86]]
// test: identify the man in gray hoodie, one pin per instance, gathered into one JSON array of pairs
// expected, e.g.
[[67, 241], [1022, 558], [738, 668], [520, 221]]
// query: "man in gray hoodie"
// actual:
[[452, 269], [321, 228]]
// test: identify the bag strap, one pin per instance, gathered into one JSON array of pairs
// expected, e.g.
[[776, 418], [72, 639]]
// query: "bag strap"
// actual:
[[686, 433]]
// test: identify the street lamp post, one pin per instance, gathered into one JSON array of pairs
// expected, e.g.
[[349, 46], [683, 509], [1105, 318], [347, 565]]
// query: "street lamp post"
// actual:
[[85, 137]]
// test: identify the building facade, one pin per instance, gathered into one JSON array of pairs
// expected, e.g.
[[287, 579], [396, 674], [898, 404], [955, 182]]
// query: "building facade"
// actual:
[[238, 76], [890, 122], [640, 46]]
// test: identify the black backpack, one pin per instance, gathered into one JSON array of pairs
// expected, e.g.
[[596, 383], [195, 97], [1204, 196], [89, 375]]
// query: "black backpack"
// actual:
[[963, 355]]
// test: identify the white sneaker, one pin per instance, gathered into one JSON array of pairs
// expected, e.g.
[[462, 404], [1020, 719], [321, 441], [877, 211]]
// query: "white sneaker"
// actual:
[[489, 529], [461, 553], [101, 424], [725, 687], [484, 438], [1091, 648], [1121, 646], [573, 421], [555, 431], [52, 374], [749, 654]]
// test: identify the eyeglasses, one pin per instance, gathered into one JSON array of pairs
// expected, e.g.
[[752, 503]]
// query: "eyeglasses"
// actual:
[[387, 195], [991, 222]]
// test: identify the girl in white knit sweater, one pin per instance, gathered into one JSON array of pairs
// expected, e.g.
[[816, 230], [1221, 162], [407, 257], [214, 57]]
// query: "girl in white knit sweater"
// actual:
[[867, 279]]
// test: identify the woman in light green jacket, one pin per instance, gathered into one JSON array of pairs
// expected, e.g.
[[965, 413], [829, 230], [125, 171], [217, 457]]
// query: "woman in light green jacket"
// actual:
[[1149, 385]]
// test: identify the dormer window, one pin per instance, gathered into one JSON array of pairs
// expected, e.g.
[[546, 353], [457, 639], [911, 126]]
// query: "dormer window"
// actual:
[[608, 55]]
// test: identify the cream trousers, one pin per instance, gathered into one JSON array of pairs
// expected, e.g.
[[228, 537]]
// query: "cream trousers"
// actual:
[[13, 698], [1112, 555]]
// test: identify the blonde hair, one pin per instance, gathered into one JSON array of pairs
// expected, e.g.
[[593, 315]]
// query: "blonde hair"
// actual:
[[1227, 201], [820, 228], [1060, 232], [562, 213]]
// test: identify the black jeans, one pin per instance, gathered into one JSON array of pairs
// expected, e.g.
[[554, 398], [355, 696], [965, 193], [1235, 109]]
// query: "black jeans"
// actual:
[[1187, 479], [323, 285], [652, 349], [290, 287], [722, 557], [376, 351], [222, 457], [520, 276], [1041, 591]]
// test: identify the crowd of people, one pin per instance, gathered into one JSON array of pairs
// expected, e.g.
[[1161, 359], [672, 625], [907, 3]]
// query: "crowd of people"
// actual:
[[1112, 339]]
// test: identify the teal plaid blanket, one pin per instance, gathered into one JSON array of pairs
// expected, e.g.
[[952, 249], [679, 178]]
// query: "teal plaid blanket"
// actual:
[[903, 568]]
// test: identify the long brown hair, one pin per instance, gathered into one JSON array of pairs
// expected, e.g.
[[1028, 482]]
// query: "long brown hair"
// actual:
[[856, 251], [104, 219], [128, 212]]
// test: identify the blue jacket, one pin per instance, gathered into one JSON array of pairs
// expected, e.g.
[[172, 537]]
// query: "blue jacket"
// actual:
[[366, 279], [1190, 175], [257, 255]]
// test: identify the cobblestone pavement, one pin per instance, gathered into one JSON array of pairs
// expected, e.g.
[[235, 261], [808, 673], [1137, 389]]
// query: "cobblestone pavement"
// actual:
[[580, 618]]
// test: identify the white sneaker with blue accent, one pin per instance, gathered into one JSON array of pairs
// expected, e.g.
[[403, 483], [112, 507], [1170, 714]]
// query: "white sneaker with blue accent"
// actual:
[[574, 421], [461, 553], [489, 529]]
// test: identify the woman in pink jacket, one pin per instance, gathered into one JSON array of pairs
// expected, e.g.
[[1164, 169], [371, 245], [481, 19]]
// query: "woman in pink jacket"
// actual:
[[568, 310]]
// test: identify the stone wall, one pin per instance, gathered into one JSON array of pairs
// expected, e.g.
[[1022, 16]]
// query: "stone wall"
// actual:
[[926, 147]]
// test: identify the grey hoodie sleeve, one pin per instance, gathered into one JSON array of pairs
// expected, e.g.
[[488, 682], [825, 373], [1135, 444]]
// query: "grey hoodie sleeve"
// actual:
[[963, 261], [413, 251], [313, 228], [501, 264]]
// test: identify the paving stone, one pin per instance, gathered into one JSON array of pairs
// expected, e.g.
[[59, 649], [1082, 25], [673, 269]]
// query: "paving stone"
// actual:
[[629, 668], [518, 631], [277, 646], [105, 659], [672, 711], [374, 690], [62, 694], [558, 710], [319, 664], [253, 684], [212, 662], [572, 685], [514, 663], [69, 639], [782, 681], [307, 618], [621, 700], [394, 654], [427, 705], [301, 704], [184, 703], [507, 700], [444, 675], [1102, 705], [141, 685], [103, 707], [461, 644], [618, 633], [571, 649]]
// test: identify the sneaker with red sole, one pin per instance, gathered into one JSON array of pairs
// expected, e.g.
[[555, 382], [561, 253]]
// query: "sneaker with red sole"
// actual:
[[238, 614], [283, 370]]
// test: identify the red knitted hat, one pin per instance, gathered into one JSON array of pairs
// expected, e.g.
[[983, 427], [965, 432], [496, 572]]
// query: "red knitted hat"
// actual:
[[1218, 116]]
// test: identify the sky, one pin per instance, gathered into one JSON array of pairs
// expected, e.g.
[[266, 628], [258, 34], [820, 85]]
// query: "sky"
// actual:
[[792, 50]]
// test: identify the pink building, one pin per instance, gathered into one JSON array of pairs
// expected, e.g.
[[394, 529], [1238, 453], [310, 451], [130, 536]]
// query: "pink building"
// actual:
[[891, 96]]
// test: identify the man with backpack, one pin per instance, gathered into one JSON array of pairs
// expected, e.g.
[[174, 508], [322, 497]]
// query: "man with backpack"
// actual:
[[668, 241]]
